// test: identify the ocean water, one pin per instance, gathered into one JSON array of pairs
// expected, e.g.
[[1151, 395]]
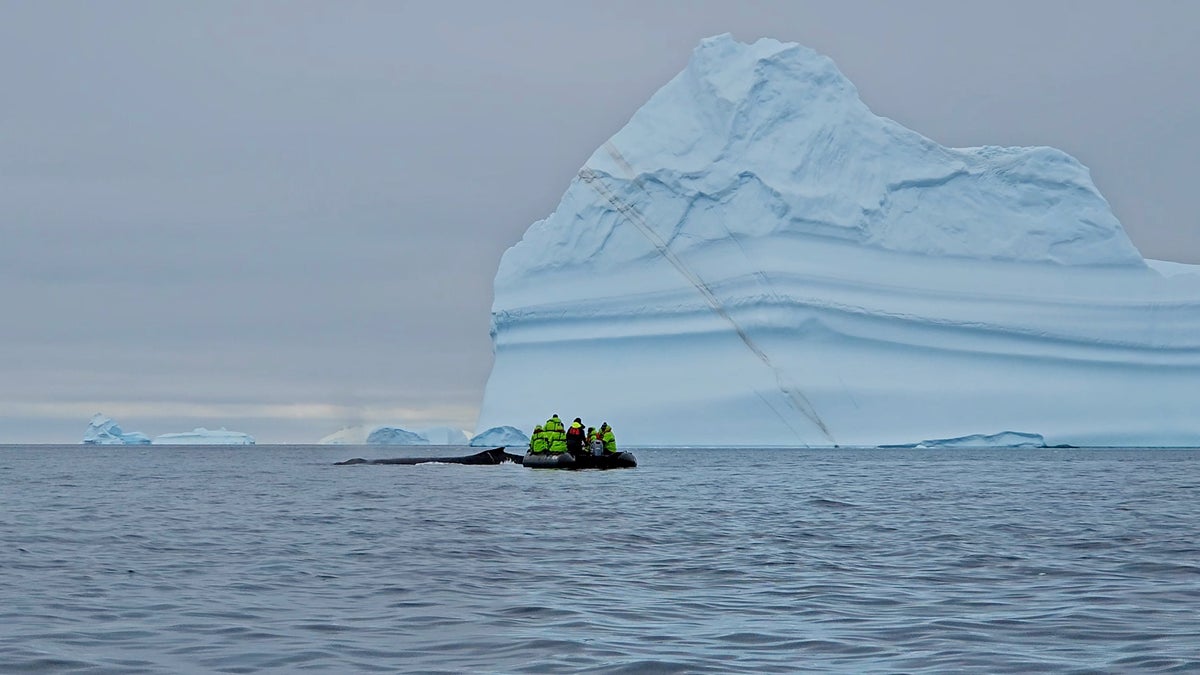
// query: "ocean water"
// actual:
[[271, 559]]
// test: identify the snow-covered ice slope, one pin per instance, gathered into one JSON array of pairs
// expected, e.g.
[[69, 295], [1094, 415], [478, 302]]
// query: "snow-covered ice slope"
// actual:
[[758, 260]]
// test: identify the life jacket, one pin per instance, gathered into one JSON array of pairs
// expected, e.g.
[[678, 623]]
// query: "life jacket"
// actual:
[[610, 441]]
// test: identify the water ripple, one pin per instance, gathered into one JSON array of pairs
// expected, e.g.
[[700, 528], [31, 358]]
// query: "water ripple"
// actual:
[[162, 560]]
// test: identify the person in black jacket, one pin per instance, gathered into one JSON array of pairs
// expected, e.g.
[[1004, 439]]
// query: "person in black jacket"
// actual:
[[575, 438]]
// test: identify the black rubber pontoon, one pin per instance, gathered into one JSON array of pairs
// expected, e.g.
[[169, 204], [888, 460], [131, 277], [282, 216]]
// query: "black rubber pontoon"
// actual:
[[565, 460], [493, 456]]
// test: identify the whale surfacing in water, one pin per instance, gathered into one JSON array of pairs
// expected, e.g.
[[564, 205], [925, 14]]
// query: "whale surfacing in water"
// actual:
[[493, 456]]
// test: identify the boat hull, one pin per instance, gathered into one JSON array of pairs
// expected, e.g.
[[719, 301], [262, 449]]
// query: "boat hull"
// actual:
[[565, 460]]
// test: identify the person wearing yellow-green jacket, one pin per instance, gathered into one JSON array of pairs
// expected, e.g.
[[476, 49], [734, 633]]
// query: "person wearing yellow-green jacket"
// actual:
[[556, 434], [538, 443], [606, 435]]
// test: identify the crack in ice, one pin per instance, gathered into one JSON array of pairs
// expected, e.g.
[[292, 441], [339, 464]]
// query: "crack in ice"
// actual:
[[797, 398]]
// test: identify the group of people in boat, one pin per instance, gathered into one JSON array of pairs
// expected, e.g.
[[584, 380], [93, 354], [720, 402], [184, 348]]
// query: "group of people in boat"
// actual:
[[553, 437]]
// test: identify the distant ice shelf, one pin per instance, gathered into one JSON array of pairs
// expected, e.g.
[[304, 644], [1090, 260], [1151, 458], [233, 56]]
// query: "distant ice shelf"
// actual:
[[102, 430], [1004, 439], [202, 436]]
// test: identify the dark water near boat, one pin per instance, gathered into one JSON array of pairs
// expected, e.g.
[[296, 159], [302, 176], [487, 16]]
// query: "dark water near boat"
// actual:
[[271, 559]]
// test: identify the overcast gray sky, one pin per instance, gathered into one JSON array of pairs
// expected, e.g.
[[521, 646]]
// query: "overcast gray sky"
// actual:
[[285, 217]]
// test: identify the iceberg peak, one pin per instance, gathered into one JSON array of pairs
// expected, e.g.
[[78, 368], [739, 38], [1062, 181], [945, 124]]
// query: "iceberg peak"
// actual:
[[720, 63], [771, 138]]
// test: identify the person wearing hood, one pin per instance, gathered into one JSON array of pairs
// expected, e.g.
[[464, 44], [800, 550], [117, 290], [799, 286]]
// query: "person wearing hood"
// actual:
[[557, 439], [575, 438], [538, 443], [610, 441]]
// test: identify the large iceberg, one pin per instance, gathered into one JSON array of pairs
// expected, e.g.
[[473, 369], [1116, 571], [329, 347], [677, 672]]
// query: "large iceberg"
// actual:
[[102, 430], [756, 259], [202, 436]]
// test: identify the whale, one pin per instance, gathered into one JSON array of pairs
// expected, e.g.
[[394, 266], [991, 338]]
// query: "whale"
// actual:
[[493, 456]]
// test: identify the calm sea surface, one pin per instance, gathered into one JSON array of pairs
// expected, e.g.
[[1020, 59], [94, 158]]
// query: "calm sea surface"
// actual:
[[271, 559]]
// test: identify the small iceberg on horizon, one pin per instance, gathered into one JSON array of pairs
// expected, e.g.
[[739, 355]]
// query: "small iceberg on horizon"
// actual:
[[102, 430], [395, 436], [509, 437], [444, 436], [1004, 439], [202, 436], [390, 434]]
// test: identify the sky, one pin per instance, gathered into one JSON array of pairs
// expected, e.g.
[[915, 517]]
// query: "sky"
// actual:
[[284, 218]]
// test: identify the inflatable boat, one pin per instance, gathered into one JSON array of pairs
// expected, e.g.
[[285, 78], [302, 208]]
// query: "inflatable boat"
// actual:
[[565, 460], [541, 460]]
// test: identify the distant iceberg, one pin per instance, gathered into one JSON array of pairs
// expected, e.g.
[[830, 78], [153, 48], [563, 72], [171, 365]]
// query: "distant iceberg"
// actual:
[[757, 259], [444, 436], [395, 436], [202, 436], [509, 437], [104, 431], [356, 435], [1004, 439]]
